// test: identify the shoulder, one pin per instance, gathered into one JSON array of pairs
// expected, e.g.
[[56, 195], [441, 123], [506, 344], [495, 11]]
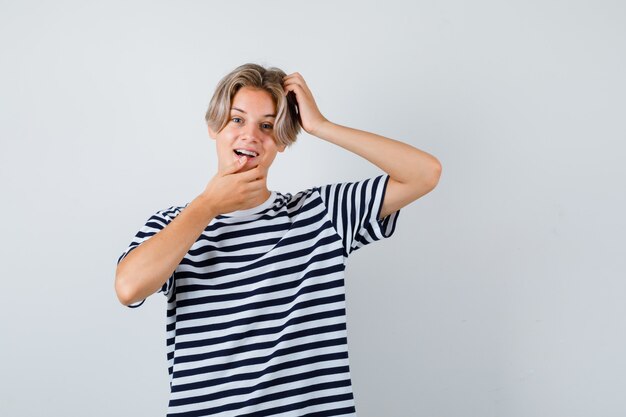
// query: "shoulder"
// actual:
[[304, 194], [359, 188], [294, 202], [170, 213]]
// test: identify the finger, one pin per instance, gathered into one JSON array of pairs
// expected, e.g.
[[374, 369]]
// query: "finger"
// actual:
[[235, 165], [263, 162], [249, 175], [301, 92], [293, 75], [254, 174], [304, 99], [256, 186], [295, 78], [294, 81]]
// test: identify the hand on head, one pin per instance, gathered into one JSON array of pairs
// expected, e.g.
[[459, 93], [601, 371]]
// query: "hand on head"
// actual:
[[310, 116]]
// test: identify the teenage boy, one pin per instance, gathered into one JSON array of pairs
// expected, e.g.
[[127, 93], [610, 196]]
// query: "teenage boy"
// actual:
[[254, 278]]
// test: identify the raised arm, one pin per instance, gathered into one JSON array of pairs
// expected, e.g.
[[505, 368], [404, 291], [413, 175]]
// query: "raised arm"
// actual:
[[413, 173]]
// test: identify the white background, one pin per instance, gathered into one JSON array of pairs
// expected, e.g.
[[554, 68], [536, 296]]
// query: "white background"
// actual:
[[502, 291]]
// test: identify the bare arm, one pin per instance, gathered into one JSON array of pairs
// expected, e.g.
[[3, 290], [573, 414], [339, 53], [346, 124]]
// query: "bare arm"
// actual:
[[143, 271], [412, 172]]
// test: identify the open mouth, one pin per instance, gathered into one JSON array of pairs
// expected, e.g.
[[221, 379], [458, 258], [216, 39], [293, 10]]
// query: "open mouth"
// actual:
[[249, 154]]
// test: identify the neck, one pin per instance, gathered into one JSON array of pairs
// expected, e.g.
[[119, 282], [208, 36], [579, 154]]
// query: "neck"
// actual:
[[258, 200]]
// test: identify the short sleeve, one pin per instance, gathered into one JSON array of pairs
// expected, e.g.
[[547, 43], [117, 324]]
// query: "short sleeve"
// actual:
[[354, 210], [153, 225]]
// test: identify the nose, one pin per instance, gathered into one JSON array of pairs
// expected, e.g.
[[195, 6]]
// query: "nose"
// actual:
[[251, 133]]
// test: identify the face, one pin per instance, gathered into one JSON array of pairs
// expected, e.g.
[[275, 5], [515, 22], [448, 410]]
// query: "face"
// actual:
[[250, 130]]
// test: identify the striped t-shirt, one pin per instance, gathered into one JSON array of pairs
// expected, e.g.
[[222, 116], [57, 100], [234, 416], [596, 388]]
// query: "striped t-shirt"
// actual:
[[256, 319]]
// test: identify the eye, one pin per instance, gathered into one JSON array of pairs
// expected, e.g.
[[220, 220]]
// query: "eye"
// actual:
[[236, 119], [266, 125]]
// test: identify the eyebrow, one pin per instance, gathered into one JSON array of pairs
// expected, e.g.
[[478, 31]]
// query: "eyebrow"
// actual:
[[267, 115]]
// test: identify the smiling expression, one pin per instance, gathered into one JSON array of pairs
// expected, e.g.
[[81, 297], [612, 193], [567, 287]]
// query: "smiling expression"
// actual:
[[250, 130]]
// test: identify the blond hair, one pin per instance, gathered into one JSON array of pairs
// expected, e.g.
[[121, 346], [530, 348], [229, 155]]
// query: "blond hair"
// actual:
[[286, 127]]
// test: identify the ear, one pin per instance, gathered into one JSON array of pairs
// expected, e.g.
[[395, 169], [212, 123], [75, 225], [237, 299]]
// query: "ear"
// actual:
[[280, 148], [212, 134]]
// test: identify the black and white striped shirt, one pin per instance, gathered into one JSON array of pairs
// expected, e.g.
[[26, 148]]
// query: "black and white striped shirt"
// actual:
[[256, 320]]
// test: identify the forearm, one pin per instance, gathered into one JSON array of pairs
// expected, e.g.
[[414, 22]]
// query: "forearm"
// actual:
[[404, 163], [143, 271]]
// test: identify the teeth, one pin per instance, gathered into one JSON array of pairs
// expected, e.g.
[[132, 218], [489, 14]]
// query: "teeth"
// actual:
[[245, 152]]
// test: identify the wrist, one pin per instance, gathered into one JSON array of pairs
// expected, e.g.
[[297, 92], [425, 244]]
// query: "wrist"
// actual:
[[320, 128], [204, 205]]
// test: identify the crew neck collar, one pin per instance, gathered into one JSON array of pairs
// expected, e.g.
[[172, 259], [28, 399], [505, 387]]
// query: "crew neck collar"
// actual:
[[253, 210]]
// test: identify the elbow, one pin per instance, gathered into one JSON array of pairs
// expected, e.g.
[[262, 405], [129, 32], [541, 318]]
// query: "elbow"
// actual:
[[435, 173], [125, 292], [430, 176]]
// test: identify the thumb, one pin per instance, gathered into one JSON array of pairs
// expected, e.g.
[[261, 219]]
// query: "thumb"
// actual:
[[235, 165]]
